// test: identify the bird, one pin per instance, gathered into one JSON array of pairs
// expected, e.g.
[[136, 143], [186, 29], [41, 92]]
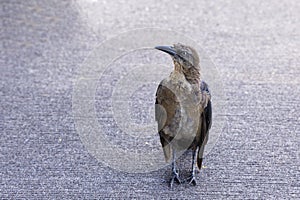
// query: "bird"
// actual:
[[183, 110]]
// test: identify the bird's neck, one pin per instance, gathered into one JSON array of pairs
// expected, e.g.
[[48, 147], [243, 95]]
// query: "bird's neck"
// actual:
[[178, 67], [192, 75]]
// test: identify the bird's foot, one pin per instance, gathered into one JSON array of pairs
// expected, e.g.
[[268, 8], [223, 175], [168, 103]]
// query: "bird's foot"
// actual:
[[175, 177], [192, 180]]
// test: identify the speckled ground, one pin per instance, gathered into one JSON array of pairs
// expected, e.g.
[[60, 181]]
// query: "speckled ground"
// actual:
[[254, 44]]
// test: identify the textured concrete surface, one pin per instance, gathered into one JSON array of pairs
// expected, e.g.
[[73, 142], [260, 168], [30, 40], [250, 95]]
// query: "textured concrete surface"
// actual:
[[254, 44]]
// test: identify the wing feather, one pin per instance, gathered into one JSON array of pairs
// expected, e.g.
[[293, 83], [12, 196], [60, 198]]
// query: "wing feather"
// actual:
[[206, 122], [165, 108]]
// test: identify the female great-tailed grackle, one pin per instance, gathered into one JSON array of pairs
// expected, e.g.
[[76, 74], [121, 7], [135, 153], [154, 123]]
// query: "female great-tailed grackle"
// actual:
[[183, 109]]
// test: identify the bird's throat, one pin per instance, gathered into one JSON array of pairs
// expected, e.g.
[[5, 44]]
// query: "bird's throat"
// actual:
[[192, 75], [178, 67]]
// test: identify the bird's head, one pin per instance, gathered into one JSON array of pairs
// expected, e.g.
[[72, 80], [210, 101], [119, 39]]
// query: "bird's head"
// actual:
[[184, 55], [185, 59]]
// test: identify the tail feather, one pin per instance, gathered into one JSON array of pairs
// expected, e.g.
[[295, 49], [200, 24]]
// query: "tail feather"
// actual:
[[165, 145], [200, 156]]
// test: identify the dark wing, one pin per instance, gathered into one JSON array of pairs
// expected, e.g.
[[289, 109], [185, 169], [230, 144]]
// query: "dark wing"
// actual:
[[208, 108], [165, 107], [206, 122]]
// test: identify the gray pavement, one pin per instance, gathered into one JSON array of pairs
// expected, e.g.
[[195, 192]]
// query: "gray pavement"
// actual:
[[254, 44]]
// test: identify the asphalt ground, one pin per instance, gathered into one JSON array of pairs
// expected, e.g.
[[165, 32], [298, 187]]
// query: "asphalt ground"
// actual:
[[254, 46]]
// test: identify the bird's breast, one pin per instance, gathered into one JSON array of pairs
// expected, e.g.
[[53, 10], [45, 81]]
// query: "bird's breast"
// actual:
[[185, 123]]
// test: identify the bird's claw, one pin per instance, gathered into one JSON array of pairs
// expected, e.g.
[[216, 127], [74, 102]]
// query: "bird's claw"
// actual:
[[175, 177], [192, 180]]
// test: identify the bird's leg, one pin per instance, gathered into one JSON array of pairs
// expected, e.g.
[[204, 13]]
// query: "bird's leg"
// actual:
[[175, 172], [192, 178]]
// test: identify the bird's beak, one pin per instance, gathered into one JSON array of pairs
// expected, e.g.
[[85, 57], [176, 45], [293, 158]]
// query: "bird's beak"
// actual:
[[168, 49]]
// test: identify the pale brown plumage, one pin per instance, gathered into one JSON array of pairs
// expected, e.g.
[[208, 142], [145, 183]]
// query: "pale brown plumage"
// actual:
[[183, 108]]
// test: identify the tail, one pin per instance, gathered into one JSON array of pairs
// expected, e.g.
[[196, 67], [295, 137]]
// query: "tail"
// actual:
[[200, 156], [202, 142], [166, 146]]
